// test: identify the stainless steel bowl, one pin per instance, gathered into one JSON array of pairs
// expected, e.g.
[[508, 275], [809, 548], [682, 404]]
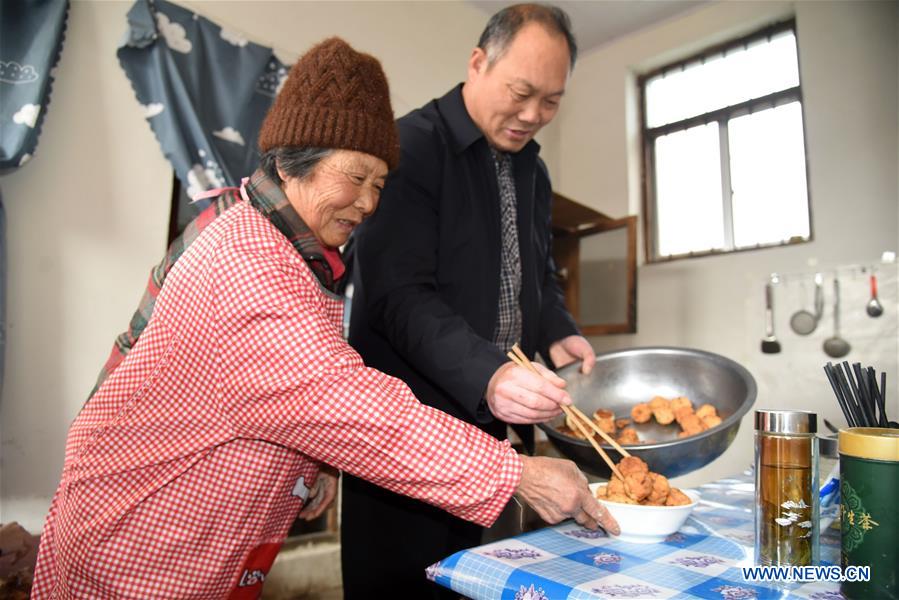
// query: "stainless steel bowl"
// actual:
[[624, 378]]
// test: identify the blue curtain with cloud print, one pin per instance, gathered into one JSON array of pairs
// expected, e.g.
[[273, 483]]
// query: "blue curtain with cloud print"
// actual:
[[31, 38], [204, 90]]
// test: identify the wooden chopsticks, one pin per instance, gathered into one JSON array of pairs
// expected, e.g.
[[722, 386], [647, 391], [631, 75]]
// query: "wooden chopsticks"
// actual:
[[579, 419], [601, 433]]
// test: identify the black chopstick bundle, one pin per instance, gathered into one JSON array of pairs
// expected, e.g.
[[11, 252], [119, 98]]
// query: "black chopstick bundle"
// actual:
[[835, 383], [862, 401]]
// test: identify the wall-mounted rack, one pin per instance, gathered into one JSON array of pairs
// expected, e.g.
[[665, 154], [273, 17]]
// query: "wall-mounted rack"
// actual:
[[843, 271]]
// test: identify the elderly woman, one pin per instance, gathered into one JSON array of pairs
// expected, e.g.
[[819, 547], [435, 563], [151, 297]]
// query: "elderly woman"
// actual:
[[240, 398]]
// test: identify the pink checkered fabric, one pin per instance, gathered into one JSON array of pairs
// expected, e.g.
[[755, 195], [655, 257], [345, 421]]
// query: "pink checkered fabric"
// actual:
[[185, 470]]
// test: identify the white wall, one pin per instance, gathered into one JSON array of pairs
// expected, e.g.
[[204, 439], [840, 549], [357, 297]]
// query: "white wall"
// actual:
[[88, 215], [848, 61]]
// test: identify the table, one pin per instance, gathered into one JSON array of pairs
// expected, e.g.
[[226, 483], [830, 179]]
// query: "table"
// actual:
[[702, 560]]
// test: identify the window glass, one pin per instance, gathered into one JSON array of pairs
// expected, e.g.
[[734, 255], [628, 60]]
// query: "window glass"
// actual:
[[767, 170], [688, 191], [741, 74]]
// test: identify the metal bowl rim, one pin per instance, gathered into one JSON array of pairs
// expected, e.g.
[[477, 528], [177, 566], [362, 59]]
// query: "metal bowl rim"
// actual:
[[742, 372]]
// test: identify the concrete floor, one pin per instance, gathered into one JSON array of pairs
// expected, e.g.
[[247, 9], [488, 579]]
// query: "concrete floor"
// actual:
[[305, 572], [332, 594]]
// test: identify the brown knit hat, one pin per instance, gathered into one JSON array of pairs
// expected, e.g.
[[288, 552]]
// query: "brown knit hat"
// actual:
[[334, 97]]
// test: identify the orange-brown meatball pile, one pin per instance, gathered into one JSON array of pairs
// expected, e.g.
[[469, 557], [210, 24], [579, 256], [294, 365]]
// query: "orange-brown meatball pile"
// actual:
[[676, 410], [640, 486]]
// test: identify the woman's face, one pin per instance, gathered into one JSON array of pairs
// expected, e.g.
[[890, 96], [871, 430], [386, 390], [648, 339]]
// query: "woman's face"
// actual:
[[341, 191]]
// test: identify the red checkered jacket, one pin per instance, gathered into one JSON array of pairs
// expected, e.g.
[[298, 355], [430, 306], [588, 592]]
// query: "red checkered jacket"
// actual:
[[185, 470]]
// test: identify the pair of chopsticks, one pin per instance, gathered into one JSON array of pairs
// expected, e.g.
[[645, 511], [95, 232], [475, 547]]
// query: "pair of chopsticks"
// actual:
[[860, 398], [574, 414]]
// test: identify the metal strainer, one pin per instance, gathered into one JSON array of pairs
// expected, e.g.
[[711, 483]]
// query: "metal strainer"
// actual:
[[804, 322]]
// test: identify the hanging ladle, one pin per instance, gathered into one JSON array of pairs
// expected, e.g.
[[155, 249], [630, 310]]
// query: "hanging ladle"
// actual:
[[804, 322], [874, 307], [836, 347], [770, 345]]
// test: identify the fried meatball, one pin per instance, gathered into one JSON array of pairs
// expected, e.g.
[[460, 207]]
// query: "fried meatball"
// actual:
[[621, 498], [681, 402], [605, 420], [659, 402], [711, 421], [637, 485], [622, 423], [641, 413], [692, 424], [661, 410], [660, 488], [628, 435], [616, 487], [677, 498], [564, 430], [663, 415], [631, 465], [706, 410], [576, 431], [682, 413]]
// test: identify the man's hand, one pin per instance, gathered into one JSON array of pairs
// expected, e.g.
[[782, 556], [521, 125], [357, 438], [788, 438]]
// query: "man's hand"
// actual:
[[572, 348], [516, 395], [322, 494], [557, 490]]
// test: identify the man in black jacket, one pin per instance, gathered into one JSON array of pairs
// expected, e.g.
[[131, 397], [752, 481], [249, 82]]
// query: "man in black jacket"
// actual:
[[453, 269]]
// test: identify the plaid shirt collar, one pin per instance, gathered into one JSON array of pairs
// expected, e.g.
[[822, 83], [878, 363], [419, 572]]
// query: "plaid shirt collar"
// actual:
[[268, 198]]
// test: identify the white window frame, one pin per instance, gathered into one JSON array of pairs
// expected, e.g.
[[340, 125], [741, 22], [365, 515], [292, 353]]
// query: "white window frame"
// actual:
[[721, 116]]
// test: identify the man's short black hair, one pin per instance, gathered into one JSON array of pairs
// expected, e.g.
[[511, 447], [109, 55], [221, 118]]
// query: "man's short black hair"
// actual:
[[504, 25]]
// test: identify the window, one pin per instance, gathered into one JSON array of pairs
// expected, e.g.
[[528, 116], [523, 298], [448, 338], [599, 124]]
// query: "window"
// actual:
[[724, 149]]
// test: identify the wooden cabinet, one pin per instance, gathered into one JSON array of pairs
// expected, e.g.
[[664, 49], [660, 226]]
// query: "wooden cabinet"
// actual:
[[596, 262]]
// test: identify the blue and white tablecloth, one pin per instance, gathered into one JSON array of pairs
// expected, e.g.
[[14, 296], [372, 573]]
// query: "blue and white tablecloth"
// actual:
[[566, 561]]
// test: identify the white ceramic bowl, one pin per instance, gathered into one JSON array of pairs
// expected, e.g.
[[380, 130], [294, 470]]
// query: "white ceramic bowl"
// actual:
[[648, 524]]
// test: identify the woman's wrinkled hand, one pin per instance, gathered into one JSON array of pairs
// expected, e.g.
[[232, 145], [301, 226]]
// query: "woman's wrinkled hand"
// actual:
[[557, 490], [321, 495]]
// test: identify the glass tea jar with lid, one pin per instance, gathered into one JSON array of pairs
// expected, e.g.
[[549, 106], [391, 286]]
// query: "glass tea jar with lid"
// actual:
[[786, 488]]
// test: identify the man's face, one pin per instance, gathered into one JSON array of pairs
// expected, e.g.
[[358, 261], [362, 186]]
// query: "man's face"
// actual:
[[512, 99]]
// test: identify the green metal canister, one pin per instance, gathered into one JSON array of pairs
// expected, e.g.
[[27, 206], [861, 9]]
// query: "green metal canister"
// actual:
[[869, 517]]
